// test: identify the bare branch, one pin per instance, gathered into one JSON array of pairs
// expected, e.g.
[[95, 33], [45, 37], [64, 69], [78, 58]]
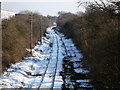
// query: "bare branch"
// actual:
[[103, 4]]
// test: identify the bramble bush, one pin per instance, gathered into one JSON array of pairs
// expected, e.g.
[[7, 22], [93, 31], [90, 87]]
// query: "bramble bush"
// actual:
[[16, 34], [96, 34]]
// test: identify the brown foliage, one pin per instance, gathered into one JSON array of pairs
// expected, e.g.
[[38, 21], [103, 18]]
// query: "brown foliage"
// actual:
[[15, 36], [96, 33]]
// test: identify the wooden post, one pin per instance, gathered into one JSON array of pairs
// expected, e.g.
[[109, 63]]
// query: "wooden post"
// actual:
[[41, 30], [31, 34]]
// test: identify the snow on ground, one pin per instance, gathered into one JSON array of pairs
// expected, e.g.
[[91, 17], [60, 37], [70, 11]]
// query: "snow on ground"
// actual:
[[74, 73], [43, 69], [30, 72]]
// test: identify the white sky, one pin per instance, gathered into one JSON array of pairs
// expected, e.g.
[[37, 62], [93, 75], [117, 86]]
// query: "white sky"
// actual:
[[39, 0], [45, 8]]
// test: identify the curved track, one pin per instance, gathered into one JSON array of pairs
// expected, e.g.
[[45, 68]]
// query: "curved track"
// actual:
[[52, 64]]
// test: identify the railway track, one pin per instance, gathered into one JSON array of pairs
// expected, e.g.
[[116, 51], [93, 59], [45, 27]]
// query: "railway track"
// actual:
[[69, 64], [56, 69], [52, 40], [52, 64]]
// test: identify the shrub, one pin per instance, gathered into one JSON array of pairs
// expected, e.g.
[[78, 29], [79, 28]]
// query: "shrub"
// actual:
[[16, 34]]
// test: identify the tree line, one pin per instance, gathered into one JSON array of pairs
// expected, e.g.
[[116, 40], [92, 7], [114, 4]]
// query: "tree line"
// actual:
[[96, 34], [16, 35]]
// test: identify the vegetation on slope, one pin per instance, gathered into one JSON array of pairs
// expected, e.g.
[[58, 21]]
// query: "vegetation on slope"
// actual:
[[96, 33], [16, 36]]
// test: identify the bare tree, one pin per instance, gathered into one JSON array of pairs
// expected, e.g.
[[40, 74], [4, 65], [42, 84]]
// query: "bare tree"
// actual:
[[111, 6]]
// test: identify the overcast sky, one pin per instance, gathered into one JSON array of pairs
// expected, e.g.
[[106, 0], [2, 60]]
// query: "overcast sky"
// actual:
[[45, 7]]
